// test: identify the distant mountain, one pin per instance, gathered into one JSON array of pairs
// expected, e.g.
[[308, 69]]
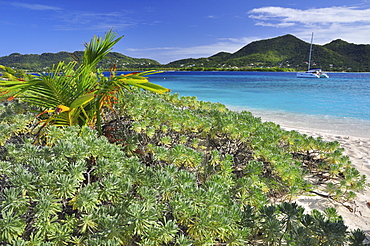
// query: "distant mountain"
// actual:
[[283, 52], [41, 62], [287, 52], [357, 54]]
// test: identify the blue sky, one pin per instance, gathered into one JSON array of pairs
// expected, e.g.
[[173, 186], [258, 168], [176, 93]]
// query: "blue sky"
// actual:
[[168, 30]]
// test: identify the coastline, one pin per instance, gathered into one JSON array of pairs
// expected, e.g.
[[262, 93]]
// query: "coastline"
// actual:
[[353, 137], [313, 123]]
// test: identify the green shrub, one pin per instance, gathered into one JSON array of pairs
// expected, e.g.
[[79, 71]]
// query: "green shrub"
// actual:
[[156, 179]]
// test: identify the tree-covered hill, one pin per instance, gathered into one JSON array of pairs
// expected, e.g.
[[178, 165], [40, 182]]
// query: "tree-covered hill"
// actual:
[[359, 54], [41, 62], [287, 52]]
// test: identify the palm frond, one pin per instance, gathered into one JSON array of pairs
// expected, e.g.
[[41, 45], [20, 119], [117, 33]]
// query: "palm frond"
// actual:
[[138, 80], [98, 48]]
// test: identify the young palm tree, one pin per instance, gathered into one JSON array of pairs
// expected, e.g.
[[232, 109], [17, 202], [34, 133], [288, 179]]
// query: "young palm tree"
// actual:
[[76, 93]]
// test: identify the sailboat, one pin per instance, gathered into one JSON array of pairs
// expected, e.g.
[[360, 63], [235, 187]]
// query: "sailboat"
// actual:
[[312, 72]]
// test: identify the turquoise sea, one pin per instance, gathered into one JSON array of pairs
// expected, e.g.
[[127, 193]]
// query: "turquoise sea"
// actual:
[[340, 104]]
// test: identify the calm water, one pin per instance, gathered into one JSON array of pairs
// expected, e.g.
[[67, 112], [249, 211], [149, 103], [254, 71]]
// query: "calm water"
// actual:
[[340, 104]]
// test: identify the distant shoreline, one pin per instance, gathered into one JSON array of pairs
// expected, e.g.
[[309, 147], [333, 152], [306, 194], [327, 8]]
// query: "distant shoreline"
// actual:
[[202, 69], [345, 127]]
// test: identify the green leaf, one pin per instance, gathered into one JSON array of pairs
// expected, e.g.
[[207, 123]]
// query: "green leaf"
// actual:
[[147, 86], [82, 100], [11, 226]]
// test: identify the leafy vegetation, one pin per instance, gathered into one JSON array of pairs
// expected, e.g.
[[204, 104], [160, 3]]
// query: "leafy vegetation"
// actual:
[[163, 170], [286, 52], [43, 62], [186, 170]]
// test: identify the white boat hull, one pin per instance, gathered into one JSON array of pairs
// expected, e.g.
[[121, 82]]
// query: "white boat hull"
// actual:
[[324, 75], [307, 75], [313, 73]]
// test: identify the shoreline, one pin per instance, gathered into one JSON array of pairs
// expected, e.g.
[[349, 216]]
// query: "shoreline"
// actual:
[[341, 126], [356, 144]]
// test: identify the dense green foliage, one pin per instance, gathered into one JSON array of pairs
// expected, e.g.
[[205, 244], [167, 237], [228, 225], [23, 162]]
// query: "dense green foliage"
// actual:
[[43, 62], [287, 52], [169, 171], [353, 56]]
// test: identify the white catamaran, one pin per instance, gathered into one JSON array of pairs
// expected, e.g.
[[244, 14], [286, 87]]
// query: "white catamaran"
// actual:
[[312, 72]]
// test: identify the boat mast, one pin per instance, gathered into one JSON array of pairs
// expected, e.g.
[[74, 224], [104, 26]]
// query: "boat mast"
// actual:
[[309, 57]]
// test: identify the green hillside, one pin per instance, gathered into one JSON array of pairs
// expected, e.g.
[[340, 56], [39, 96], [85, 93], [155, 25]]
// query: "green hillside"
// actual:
[[284, 52], [359, 55], [41, 62], [287, 52]]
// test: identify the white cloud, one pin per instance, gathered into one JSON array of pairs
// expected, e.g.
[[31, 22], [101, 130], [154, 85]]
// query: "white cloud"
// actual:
[[80, 20], [310, 16], [282, 24], [168, 54], [348, 23], [32, 6]]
